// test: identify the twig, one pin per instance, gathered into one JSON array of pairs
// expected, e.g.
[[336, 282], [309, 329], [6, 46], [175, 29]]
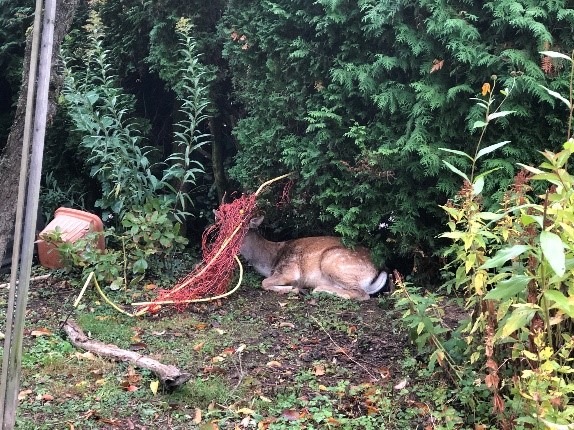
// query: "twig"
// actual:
[[340, 348]]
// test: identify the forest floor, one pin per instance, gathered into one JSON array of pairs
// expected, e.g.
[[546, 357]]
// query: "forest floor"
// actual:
[[258, 360]]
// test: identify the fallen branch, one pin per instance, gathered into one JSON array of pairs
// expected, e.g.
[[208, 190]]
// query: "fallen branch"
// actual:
[[169, 376], [32, 279]]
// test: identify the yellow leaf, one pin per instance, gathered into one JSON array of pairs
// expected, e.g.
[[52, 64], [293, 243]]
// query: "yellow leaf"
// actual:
[[153, 386], [274, 363], [198, 346], [479, 282], [245, 411]]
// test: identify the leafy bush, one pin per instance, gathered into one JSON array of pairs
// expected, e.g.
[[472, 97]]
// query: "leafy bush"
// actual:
[[112, 140], [357, 98], [515, 268], [146, 201]]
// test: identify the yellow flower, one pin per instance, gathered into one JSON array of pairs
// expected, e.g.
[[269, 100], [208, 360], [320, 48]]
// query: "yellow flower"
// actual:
[[485, 88]]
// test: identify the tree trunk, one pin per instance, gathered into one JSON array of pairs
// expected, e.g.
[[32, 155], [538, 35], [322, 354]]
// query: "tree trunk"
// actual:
[[217, 158], [10, 159]]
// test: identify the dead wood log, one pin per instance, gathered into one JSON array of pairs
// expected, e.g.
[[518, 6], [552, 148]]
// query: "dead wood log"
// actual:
[[170, 376]]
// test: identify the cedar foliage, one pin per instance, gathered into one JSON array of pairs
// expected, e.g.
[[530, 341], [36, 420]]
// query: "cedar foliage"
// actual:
[[357, 97]]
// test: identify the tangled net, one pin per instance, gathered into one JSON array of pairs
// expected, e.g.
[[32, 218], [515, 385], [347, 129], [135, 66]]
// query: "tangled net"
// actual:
[[220, 246]]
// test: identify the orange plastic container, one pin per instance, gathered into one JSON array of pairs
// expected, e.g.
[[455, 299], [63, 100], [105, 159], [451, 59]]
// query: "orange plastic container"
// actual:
[[73, 225]]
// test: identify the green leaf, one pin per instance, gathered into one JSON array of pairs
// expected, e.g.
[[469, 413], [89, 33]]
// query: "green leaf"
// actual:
[[565, 304], [504, 255], [455, 170], [454, 151], [491, 148], [558, 96], [553, 250], [478, 185], [500, 114], [479, 124], [554, 54], [530, 168], [508, 288], [519, 318]]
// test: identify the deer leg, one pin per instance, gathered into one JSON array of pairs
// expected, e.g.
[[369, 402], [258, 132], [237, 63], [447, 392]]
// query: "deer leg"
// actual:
[[278, 285], [344, 293]]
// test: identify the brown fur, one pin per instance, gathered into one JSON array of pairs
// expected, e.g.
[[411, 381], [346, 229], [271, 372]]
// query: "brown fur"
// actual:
[[321, 263]]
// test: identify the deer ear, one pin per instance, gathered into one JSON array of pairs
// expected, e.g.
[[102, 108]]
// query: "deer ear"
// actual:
[[255, 222]]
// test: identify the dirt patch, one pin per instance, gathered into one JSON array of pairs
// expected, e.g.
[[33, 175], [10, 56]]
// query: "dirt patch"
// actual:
[[259, 346]]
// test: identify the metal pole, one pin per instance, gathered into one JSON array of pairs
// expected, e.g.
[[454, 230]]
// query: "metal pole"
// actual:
[[18, 299]]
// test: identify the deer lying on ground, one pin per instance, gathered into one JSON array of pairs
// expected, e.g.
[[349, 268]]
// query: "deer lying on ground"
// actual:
[[321, 263]]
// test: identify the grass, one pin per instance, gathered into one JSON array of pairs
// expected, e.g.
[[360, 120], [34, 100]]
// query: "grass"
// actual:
[[257, 360]]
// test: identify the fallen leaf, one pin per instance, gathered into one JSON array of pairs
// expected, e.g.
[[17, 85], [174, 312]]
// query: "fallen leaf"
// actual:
[[209, 426], [85, 355], [274, 364], [23, 394], [283, 304], [47, 397], [149, 287], [401, 385], [227, 351], [265, 399], [132, 377], [217, 359], [198, 346], [245, 423], [291, 414], [245, 411], [385, 372], [319, 370], [287, 324], [138, 346], [153, 386], [158, 333], [219, 331], [240, 348], [196, 416], [41, 332]]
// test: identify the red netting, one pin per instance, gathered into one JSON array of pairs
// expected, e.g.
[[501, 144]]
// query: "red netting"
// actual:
[[220, 244]]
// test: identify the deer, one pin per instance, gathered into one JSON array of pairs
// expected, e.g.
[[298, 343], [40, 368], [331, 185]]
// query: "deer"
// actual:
[[321, 263]]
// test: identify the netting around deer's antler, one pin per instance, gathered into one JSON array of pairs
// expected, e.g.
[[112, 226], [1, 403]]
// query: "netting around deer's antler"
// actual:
[[220, 245]]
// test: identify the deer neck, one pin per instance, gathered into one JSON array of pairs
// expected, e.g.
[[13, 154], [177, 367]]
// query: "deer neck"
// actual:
[[260, 252]]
